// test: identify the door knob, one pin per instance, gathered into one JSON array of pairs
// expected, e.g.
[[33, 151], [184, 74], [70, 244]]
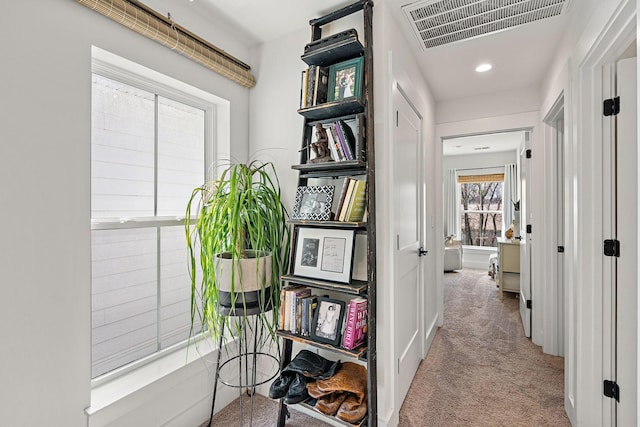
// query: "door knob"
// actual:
[[422, 251]]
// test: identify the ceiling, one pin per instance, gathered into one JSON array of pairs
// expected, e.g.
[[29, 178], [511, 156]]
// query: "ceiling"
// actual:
[[520, 56], [481, 144]]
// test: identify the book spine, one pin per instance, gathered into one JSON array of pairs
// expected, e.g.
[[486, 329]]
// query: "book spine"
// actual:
[[304, 323], [294, 305], [348, 340], [305, 81], [332, 146], [283, 294], [357, 205], [332, 129], [343, 144], [361, 323], [311, 85], [343, 194], [349, 140], [347, 200]]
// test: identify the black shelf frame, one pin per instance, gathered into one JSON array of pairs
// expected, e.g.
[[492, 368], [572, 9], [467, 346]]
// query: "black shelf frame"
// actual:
[[356, 353], [355, 287], [365, 165]]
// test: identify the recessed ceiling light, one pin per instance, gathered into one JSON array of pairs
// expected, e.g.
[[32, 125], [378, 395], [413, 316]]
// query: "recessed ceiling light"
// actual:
[[483, 67]]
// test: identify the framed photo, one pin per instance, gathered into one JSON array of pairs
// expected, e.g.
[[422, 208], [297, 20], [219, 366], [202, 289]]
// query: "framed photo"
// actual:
[[324, 253], [345, 79], [327, 320], [313, 203]]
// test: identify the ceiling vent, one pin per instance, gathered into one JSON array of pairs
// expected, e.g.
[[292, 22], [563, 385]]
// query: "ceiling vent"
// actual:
[[438, 22]]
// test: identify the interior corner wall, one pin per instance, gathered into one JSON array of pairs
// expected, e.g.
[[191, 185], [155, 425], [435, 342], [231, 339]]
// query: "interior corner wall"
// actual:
[[45, 260]]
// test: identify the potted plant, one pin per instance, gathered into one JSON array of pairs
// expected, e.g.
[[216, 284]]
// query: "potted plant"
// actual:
[[240, 239]]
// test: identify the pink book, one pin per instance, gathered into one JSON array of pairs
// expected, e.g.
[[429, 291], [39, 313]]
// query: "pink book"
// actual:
[[356, 325]]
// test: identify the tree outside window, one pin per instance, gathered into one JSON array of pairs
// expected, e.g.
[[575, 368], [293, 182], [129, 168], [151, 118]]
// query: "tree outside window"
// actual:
[[481, 212]]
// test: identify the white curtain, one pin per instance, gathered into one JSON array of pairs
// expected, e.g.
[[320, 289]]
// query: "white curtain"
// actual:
[[451, 203], [510, 194]]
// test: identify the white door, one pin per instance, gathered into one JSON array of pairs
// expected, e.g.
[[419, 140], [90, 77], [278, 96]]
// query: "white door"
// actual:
[[627, 234], [407, 228], [525, 249]]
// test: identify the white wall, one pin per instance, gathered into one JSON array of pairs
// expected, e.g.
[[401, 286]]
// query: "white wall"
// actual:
[[396, 65], [585, 351], [45, 258]]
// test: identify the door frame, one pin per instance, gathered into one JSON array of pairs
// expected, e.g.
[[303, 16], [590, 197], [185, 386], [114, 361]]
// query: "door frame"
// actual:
[[554, 326], [593, 329]]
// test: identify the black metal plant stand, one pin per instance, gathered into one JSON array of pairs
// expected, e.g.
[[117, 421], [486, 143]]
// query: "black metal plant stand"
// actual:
[[245, 357]]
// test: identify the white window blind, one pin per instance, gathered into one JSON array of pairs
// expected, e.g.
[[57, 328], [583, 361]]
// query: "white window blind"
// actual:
[[148, 153]]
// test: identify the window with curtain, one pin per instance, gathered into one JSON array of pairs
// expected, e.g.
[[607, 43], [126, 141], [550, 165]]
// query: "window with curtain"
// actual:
[[481, 209], [148, 153]]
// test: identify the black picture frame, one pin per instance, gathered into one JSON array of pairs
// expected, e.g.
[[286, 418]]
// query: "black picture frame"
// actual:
[[313, 203], [327, 321]]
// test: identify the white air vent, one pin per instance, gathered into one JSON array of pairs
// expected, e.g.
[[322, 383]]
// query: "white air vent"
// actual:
[[438, 22]]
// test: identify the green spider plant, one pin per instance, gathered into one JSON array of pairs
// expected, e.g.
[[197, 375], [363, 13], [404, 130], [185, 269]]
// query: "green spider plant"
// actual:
[[238, 215]]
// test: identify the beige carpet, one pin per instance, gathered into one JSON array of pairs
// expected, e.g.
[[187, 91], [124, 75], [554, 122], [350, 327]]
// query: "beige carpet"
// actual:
[[480, 370]]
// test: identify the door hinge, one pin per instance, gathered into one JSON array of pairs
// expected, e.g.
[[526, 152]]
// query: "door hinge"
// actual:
[[528, 154], [560, 249], [612, 390], [611, 106], [397, 118], [529, 304], [612, 248], [528, 228]]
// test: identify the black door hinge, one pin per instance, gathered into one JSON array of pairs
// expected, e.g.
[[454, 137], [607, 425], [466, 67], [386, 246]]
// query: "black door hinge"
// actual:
[[528, 154], [611, 106], [560, 249], [528, 228], [612, 390], [612, 248], [529, 304]]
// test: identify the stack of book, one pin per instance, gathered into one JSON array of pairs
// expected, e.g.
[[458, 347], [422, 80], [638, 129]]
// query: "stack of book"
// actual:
[[341, 141], [352, 203], [356, 324], [296, 310], [314, 86]]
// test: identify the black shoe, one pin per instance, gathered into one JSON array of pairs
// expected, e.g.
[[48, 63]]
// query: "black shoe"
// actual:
[[297, 391], [280, 386]]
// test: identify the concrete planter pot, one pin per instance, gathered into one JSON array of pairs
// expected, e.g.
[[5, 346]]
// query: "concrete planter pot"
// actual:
[[251, 282]]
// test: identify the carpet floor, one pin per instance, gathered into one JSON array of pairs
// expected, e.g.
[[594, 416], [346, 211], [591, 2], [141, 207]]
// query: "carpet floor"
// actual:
[[480, 370]]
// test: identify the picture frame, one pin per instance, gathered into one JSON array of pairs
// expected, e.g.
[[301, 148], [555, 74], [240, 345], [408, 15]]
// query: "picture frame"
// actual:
[[327, 321], [313, 202], [324, 253], [345, 79]]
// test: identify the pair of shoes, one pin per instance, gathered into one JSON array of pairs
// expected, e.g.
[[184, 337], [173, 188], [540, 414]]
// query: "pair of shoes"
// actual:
[[280, 386], [344, 394], [291, 386]]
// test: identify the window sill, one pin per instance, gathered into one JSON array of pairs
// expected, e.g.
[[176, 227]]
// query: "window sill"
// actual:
[[111, 391]]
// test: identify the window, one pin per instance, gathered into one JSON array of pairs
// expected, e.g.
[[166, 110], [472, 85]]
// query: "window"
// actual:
[[148, 152], [481, 209]]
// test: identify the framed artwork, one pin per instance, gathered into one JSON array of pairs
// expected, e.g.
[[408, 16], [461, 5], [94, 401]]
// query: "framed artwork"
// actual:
[[345, 79], [313, 203], [327, 320], [324, 253]]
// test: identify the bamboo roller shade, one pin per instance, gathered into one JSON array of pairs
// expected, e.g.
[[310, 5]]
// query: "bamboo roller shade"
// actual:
[[494, 177], [144, 20]]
